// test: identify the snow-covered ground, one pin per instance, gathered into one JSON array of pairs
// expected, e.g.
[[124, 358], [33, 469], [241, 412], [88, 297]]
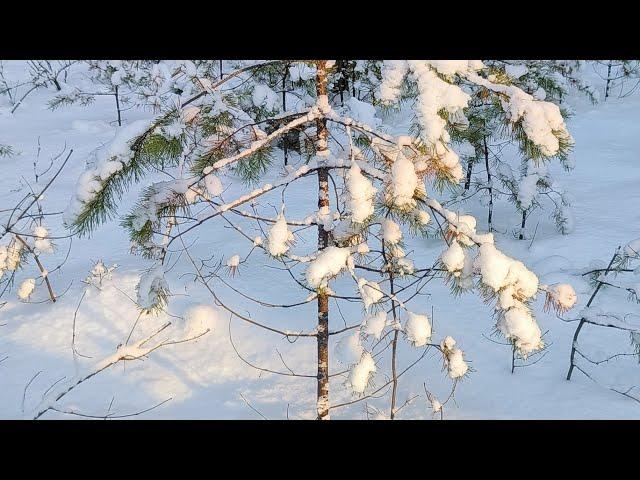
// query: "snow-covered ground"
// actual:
[[207, 379]]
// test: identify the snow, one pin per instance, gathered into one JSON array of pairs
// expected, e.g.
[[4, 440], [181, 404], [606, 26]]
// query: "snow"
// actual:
[[323, 105], [453, 257], [151, 284], [451, 67], [105, 162], [12, 255], [349, 348], [41, 242], [499, 271], [454, 359], [528, 184], [434, 95], [539, 94], [199, 319], [404, 266], [362, 111], [622, 321], [463, 226], [418, 329], [393, 73], [374, 324], [213, 185], [391, 232], [564, 295], [280, 237], [494, 266], [448, 343], [301, 71], [263, 96], [404, 182], [361, 373], [360, 193], [524, 280], [423, 217], [456, 365], [362, 248], [370, 291], [174, 130], [26, 288], [189, 112], [518, 325], [3, 259], [540, 119], [329, 263], [516, 71]]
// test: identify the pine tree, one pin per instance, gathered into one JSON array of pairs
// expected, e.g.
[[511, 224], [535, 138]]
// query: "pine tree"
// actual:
[[488, 140], [384, 186], [620, 75]]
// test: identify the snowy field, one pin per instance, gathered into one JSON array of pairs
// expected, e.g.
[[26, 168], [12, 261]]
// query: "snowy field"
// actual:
[[207, 379]]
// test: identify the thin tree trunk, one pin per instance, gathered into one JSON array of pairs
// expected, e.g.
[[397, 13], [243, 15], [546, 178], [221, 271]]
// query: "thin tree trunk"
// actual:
[[394, 349], [322, 401], [522, 225], [467, 182], [582, 320], [486, 162], [353, 84], [118, 107], [284, 109], [606, 91]]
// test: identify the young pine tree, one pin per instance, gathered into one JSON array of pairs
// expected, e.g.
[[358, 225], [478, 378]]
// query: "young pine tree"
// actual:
[[368, 192]]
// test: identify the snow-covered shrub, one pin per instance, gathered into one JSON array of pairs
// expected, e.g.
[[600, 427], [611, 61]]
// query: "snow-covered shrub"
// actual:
[[615, 280], [147, 84], [26, 239], [621, 77], [41, 75], [508, 142]]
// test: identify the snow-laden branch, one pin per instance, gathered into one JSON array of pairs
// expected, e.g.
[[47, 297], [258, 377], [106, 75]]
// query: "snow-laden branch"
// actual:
[[311, 115], [134, 351], [540, 119], [220, 209], [597, 316]]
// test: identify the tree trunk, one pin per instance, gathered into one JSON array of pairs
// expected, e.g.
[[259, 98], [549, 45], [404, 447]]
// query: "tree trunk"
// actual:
[[118, 107], [322, 401], [606, 91], [522, 225], [284, 109], [467, 182], [486, 162], [394, 351], [353, 84]]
